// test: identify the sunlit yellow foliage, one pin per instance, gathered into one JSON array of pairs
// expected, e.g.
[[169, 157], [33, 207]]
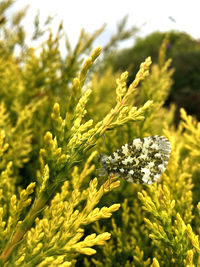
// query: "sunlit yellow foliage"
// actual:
[[54, 234], [56, 114]]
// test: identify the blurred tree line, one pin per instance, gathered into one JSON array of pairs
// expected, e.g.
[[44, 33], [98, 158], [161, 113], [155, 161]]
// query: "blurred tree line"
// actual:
[[185, 54]]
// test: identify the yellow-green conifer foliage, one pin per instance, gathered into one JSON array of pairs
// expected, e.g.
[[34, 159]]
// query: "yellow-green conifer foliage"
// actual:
[[158, 225], [56, 115], [62, 224]]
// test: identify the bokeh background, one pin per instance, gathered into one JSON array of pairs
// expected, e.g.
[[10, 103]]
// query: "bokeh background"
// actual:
[[148, 16], [142, 24]]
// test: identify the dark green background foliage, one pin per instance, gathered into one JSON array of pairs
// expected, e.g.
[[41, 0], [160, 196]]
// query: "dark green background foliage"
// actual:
[[185, 52]]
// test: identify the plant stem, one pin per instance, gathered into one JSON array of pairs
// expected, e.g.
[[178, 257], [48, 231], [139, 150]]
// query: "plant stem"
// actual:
[[22, 229]]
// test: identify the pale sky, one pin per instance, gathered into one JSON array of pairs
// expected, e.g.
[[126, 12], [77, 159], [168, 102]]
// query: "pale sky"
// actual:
[[91, 14]]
